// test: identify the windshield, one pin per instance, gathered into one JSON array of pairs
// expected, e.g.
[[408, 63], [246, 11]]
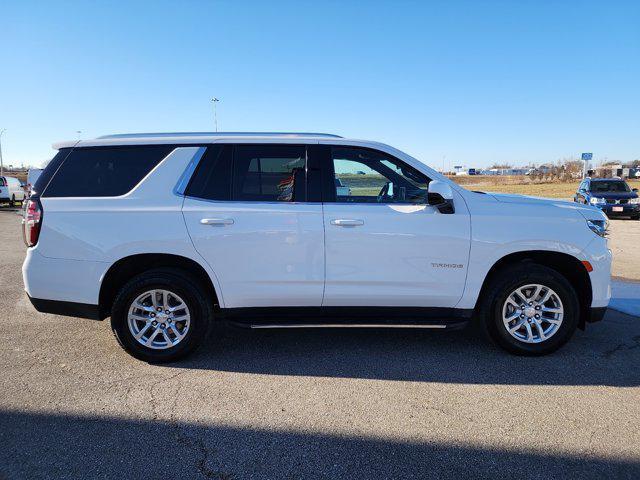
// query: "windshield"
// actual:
[[610, 187]]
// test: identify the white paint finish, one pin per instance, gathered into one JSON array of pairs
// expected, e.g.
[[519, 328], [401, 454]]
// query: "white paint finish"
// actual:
[[500, 228], [62, 279], [401, 255], [148, 219], [264, 254], [598, 254]]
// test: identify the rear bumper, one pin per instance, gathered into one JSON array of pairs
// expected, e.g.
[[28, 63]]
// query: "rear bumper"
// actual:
[[596, 314], [68, 309]]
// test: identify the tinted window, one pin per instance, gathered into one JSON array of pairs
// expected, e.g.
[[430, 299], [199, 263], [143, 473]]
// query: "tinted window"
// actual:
[[369, 176], [269, 173], [104, 171], [49, 170], [212, 178], [2, 184]]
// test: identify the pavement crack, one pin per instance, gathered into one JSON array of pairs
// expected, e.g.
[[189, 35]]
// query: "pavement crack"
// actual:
[[623, 346]]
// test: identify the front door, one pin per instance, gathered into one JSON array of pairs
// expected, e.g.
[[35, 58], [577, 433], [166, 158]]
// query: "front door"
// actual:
[[247, 215], [385, 246]]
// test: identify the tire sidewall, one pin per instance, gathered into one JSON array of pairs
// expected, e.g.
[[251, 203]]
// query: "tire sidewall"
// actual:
[[190, 293], [543, 276]]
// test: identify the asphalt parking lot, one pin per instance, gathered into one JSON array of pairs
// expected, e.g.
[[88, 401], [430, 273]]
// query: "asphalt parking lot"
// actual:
[[314, 404]]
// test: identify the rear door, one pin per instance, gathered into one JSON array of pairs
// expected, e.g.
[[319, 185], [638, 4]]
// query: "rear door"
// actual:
[[247, 212], [385, 246]]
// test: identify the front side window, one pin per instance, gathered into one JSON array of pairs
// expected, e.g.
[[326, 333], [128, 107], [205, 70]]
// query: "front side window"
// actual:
[[269, 173], [369, 176], [103, 171]]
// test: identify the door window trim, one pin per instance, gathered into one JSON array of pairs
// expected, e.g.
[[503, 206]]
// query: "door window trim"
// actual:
[[328, 182], [309, 152]]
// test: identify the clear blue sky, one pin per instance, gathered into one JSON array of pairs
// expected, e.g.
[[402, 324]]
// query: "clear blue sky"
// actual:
[[478, 82]]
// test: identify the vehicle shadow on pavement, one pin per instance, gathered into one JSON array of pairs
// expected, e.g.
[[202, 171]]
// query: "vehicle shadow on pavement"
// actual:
[[608, 353], [66, 446]]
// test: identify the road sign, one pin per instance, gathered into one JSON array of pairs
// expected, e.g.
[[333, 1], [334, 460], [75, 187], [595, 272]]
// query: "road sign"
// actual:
[[587, 156]]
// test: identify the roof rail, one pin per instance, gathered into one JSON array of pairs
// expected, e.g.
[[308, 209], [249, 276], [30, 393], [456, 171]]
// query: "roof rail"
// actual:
[[219, 134]]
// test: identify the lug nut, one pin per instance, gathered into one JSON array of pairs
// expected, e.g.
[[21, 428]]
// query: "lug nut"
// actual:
[[522, 315], [167, 312], [530, 303], [154, 323], [159, 309], [537, 307], [537, 316], [152, 315]]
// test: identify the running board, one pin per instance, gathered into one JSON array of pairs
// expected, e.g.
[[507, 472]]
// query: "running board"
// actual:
[[345, 325]]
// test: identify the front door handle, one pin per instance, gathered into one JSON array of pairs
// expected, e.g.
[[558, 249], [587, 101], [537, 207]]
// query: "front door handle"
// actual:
[[344, 222], [217, 221]]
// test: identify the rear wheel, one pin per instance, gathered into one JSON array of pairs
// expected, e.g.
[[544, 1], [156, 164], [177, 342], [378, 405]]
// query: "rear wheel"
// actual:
[[12, 202], [160, 316], [530, 309]]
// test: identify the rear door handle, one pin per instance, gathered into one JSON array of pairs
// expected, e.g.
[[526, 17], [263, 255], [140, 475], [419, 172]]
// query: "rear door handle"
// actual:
[[217, 221], [344, 222]]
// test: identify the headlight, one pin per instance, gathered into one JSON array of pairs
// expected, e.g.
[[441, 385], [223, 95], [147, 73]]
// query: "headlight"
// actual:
[[597, 201], [599, 227], [634, 200]]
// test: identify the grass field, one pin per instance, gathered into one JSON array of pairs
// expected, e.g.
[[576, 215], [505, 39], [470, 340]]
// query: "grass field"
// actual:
[[371, 184], [549, 190]]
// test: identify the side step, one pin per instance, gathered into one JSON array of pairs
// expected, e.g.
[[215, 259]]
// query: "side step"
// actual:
[[346, 325]]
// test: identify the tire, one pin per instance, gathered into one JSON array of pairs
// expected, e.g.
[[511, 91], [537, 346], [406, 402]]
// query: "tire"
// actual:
[[494, 308], [192, 322], [635, 217], [12, 202]]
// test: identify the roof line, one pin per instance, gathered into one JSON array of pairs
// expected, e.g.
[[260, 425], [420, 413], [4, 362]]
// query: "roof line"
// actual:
[[218, 134]]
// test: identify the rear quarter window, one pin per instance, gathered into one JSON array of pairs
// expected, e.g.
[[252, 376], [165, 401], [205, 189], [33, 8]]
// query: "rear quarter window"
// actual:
[[103, 171]]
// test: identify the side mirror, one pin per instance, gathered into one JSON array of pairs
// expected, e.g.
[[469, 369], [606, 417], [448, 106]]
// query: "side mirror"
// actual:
[[634, 190], [440, 195]]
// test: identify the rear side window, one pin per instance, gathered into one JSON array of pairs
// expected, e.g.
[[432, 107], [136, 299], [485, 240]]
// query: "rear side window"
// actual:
[[103, 171], [2, 184], [49, 170], [212, 178], [269, 173]]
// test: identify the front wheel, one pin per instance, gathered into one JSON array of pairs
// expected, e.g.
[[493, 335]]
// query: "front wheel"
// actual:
[[160, 316], [530, 310]]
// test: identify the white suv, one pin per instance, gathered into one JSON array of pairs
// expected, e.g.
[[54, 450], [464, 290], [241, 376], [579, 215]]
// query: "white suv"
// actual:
[[169, 234]]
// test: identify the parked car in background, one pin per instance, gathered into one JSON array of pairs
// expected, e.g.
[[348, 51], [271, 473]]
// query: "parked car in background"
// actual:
[[171, 234], [341, 190], [611, 195], [11, 190]]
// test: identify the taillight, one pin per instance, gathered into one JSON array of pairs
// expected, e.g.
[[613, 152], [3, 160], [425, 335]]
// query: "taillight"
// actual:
[[32, 222]]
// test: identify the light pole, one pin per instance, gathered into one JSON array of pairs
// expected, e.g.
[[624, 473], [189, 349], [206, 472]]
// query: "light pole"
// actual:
[[1, 164], [215, 100]]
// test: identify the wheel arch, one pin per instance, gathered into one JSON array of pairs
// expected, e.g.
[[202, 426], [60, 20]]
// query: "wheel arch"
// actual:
[[565, 264], [128, 267]]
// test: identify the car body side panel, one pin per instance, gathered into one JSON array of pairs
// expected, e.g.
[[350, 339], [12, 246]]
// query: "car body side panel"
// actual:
[[502, 228], [106, 229]]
